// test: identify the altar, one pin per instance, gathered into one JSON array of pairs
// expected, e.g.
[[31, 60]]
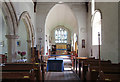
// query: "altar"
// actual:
[[55, 64]]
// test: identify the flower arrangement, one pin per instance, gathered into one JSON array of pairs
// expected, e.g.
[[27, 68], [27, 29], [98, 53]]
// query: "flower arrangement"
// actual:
[[22, 54]]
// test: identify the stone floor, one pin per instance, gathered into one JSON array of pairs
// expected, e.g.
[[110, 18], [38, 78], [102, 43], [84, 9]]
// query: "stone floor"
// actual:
[[66, 75]]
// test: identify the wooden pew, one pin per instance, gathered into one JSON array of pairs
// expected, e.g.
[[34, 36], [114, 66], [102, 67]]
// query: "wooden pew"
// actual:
[[109, 77], [78, 64], [17, 77], [81, 65], [73, 59], [93, 71], [88, 68], [92, 62], [34, 69], [17, 66]]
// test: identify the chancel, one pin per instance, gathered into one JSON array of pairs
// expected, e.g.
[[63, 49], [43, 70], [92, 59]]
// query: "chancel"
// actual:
[[66, 40]]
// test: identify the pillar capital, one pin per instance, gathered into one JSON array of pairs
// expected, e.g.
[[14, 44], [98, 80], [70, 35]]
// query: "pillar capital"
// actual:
[[12, 36]]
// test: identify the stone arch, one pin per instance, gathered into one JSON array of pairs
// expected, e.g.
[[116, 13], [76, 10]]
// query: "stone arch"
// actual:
[[66, 17], [30, 31], [10, 17], [26, 17], [12, 23]]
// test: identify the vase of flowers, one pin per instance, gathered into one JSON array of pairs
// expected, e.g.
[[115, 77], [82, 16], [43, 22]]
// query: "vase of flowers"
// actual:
[[22, 54]]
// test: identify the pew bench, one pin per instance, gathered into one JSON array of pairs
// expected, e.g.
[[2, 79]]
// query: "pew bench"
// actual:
[[93, 71], [13, 68], [77, 65], [91, 62], [17, 77], [109, 77]]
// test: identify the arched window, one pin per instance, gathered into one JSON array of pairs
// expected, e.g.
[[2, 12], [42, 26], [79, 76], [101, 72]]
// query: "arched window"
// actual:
[[60, 35], [96, 28]]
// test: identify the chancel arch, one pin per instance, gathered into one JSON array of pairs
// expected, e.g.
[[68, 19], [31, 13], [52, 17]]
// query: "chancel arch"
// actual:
[[10, 17], [66, 19]]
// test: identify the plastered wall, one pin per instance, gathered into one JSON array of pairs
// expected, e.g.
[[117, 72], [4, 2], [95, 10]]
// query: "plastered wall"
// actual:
[[81, 16], [119, 32], [79, 11], [20, 7], [22, 33], [41, 15], [3, 28], [109, 47]]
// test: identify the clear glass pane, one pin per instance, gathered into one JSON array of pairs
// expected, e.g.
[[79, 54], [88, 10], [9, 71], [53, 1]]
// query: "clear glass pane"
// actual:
[[96, 28]]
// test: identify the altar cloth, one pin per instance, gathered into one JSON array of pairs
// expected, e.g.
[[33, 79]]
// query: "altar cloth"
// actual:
[[55, 64]]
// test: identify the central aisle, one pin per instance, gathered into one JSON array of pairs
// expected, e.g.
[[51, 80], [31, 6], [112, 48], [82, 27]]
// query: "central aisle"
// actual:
[[66, 59], [66, 75]]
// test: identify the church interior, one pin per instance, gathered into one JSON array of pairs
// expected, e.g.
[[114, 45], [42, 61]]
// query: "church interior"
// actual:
[[59, 40]]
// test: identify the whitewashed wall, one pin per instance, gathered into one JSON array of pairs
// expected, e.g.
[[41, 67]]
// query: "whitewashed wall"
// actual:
[[20, 7], [1, 31], [89, 36], [81, 16], [42, 12], [109, 47], [79, 11], [119, 32], [3, 28], [22, 33]]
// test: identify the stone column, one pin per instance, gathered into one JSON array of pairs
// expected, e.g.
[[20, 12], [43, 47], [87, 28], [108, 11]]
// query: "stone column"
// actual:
[[28, 50], [11, 41]]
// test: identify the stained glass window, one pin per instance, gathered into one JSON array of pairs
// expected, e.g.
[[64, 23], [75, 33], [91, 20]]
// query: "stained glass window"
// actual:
[[60, 35]]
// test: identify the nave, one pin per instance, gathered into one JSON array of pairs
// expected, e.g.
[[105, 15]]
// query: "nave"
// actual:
[[80, 69], [59, 40]]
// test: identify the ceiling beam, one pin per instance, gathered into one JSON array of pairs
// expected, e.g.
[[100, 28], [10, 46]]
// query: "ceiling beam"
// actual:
[[62, 0], [35, 5]]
